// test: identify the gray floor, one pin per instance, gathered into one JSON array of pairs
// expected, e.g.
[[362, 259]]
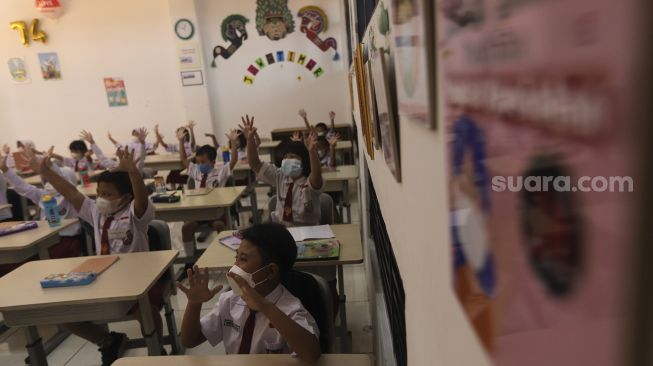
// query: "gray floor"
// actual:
[[76, 351]]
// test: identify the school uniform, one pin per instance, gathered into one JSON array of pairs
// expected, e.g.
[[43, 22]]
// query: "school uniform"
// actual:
[[5, 214], [298, 202], [175, 176], [174, 148], [217, 177], [227, 322]]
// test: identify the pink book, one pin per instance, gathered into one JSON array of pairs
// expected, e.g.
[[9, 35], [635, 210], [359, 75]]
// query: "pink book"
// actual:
[[97, 265]]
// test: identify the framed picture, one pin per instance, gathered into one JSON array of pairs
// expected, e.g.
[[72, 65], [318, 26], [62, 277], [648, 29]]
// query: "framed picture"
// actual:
[[191, 78], [373, 112], [363, 99], [385, 103]]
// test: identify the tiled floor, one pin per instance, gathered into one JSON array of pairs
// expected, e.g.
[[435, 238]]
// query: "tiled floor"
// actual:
[[76, 351]]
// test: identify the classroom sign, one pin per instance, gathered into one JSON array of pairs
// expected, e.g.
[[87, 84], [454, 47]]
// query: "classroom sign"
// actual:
[[540, 89], [282, 57]]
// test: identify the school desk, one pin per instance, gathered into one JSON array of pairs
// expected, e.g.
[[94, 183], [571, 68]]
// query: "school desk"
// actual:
[[3, 206], [267, 147], [219, 257], [164, 162], [338, 181], [35, 180], [20, 246], [245, 360], [108, 298]]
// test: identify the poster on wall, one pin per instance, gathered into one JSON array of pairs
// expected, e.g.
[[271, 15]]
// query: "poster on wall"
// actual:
[[314, 22], [233, 30], [539, 227], [49, 8], [189, 55], [192, 78], [412, 38], [18, 71], [50, 66], [116, 92], [274, 19]]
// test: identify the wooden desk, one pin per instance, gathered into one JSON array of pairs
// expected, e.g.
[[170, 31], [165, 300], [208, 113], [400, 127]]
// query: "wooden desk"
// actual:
[[3, 206], [219, 257], [197, 208], [108, 298], [20, 246], [244, 360], [35, 180], [267, 147], [164, 162], [338, 181]]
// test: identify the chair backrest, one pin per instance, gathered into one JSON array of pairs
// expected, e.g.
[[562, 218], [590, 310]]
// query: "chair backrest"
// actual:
[[190, 183], [313, 291], [158, 235], [272, 206], [326, 209]]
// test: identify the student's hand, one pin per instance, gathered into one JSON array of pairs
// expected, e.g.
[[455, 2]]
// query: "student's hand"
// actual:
[[39, 165], [232, 135], [142, 133], [181, 137], [212, 135], [5, 149], [198, 292], [87, 136], [302, 113], [191, 125], [252, 298], [296, 136], [333, 140], [126, 162], [3, 163], [332, 115], [109, 135], [248, 127], [310, 140]]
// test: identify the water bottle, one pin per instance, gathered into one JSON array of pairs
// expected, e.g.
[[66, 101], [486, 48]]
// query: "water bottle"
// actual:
[[225, 154], [51, 210], [83, 175]]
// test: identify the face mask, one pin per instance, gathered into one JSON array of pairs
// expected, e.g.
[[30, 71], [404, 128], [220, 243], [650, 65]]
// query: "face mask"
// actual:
[[321, 134], [248, 277], [205, 168], [291, 168], [107, 207]]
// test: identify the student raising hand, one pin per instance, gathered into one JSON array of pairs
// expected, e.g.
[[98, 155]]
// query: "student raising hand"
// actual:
[[87, 136], [252, 148], [198, 291], [141, 134], [5, 149], [296, 136]]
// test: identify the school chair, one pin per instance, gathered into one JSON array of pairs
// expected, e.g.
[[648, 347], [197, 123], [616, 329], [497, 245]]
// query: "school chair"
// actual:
[[314, 293], [327, 214]]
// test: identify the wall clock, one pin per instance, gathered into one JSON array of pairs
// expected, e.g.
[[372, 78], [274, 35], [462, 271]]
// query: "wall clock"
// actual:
[[184, 29]]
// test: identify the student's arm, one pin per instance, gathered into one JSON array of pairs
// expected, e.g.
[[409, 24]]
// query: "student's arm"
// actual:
[[316, 166], [332, 116], [304, 115], [252, 150], [213, 139], [43, 166], [18, 184], [191, 127], [113, 141], [142, 135], [257, 139], [127, 164], [333, 141], [159, 137], [105, 162], [300, 340], [182, 148], [233, 138], [197, 294]]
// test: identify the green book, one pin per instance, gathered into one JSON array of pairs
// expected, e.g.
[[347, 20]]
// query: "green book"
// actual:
[[318, 249]]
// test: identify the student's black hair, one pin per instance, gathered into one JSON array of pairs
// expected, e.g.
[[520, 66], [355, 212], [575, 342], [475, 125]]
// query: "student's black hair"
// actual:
[[78, 145], [275, 244], [321, 124], [208, 150], [120, 180], [298, 148]]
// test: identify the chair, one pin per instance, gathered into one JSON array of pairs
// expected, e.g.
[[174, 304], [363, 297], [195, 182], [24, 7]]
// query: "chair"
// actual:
[[326, 209], [313, 291]]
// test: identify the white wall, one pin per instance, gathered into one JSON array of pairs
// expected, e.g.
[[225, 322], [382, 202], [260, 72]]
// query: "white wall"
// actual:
[[94, 39], [276, 95]]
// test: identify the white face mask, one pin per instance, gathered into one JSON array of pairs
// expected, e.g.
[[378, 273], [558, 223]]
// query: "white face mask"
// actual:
[[291, 167], [108, 207], [248, 277]]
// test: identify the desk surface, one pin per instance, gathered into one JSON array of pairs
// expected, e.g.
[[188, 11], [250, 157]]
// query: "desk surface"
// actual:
[[342, 172], [244, 360], [29, 238], [3, 206], [162, 158], [127, 279], [269, 144], [344, 145], [219, 197], [218, 256], [35, 180]]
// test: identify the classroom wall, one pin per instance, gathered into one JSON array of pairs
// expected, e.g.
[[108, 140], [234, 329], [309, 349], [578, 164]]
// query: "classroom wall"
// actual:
[[277, 94]]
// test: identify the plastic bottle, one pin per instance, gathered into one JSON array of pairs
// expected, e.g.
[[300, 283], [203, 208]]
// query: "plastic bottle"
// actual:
[[51, 210], [225, 154], [83, 174]]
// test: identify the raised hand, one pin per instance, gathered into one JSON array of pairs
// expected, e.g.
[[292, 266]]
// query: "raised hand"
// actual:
[[333, 140], [3, 163], [126, 162], [142, 133], [87, 136], [296, 136], [332, 115], [310, 140], [39, 165], [191, 124], [6, 149], [198, 292], [181, 135], [248, 127], [232, 135], [302, 113], [252, 298]]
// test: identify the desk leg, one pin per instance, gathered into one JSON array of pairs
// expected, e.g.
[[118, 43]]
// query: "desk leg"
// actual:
[[345, 345], [230, 221], [345, 200], [149, 332], [44, 253], [35, 347], [253, 198]]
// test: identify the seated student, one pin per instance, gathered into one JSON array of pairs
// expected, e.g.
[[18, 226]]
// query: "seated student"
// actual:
[[175, 176], [298, 181], [81, 157], [150, 148], [120, 217], [326, 148], [106, 163], [205, 175], [70, 243], [259, 315], [321, 127]]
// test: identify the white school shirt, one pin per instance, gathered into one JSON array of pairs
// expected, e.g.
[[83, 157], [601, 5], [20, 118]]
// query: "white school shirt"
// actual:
[[227, 319], [174, 148], [305, 198], [4, 213], [66, 209], [127, 233], [107, 163], [217, 177], [77, 164]]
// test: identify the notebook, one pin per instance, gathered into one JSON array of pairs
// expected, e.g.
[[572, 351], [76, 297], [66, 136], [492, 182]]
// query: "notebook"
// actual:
[[97, 265], [318, 249], [199, 192], [311, 232], [232, 242], [12, 228]]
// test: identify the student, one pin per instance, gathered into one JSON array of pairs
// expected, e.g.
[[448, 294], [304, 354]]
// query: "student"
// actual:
[[205, 174], [150, 148], [259, 315], [298, 181], [175, 176], [5, 213], [326, 148], [81, 157], [120, 218], [106, 163], [321, 127]]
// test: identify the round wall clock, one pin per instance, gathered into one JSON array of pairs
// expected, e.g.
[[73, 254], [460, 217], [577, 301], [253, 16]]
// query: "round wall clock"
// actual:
[[184, 29]]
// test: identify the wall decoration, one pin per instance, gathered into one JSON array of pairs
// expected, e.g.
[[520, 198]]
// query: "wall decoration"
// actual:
[[34, 33], [18, 71], [234, 31], [184, 29], [282, 57], [373, 111], [188, 54], [385, 103], [116, 92], [412, 39], [192, 78], [50, 8], [274, 19], [50, 66], [363, 99], [540, 256], [314, 22]]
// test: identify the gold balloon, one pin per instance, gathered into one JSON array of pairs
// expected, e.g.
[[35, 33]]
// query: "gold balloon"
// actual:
[[37, 35], [20, 26]]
